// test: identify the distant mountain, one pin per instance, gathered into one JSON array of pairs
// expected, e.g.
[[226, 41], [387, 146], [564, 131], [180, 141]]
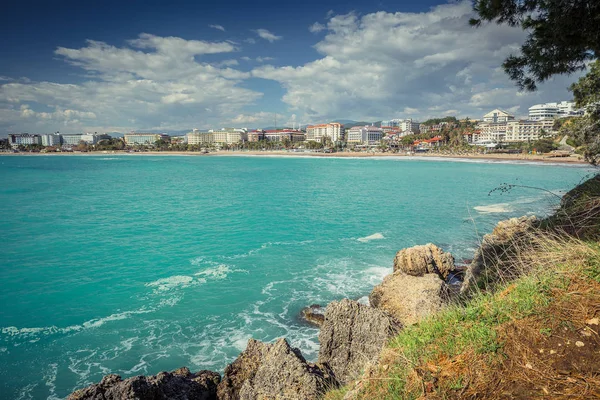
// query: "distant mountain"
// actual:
[[357, 123]]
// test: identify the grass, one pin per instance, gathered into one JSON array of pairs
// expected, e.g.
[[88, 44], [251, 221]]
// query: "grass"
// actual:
[[473, 348]]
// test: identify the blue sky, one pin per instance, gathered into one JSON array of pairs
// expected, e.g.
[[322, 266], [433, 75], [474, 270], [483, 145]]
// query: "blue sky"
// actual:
[[131, 65]]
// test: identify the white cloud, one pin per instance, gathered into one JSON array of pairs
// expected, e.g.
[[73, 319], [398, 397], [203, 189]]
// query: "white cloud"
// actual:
[[419, 65], [259, 118], [219, 27], [265, 34], [154, 83], [250, 41], [316, 27], [227, 63], [257, 59]]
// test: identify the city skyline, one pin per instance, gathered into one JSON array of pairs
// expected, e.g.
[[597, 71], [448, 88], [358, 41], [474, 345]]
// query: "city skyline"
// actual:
[[335, 61]]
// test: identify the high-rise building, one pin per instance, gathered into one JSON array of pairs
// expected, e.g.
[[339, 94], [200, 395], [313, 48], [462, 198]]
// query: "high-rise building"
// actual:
[[407, 126], [496, 116], [333, 130], [53, 139], [364, 135], [553, 110], [24, 139], [144, 138]]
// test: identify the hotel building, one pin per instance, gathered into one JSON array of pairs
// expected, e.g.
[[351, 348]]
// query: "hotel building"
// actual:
[[144, 138], [498, 116], [365, 135], [332, 130], [524, 130], [23, 139], [54, 139], [553, 110]]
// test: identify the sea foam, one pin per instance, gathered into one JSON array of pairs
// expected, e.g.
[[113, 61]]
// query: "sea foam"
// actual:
[[171, 282], [375, 236], [494, 208]]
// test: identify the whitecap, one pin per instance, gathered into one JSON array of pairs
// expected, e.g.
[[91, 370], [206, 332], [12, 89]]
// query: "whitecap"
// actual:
[[171, 282], [494, 208], [95, 323], [375, 236], [219, 272], [33, 333], [25, 393]]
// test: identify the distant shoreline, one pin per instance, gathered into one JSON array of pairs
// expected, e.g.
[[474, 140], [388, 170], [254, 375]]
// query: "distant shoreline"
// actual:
[[517, 158]]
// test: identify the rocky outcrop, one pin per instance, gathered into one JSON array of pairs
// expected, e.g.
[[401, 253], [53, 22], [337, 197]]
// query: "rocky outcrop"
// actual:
[[273, 371], [352, 335], [493, 259], [314, 314], [426, 259], [179, 384], [409, 298]]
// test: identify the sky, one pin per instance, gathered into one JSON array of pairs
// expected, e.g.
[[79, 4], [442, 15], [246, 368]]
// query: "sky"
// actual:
[[120, 66]]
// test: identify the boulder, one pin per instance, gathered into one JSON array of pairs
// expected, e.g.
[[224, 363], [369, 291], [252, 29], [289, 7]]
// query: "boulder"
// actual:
[[425, 259], [353, 335], [409, 298], [179, 384], [273, 371], [313, 314], [492, 260]]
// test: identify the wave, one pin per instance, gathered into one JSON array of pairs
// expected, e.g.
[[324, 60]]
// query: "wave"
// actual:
[[219, 272], [172, 282], [494, 208], [27, 333], [375, 236]]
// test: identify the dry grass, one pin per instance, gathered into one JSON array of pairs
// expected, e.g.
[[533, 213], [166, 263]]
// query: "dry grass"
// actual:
[[497, 345]]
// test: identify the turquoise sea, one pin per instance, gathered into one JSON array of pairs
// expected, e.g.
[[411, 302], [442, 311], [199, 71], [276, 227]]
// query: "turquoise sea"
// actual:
[[133, 265]]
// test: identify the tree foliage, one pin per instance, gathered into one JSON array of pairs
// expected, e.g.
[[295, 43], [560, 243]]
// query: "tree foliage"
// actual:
[[562, 35], [586, 130], [435, 121]]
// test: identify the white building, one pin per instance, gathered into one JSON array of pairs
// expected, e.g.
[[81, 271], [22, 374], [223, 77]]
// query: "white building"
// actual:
[[525, 130], [199, 138], [230, 135], [364, 135], [333, 130], [492, 132], [144, 138], [23, 139], [407, 126], [497, 115], [53, 139], [553, 110], [514, 131], [71, 139], [94, 138]]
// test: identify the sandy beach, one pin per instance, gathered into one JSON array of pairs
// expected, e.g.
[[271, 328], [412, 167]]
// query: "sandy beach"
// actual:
[[538, 158]]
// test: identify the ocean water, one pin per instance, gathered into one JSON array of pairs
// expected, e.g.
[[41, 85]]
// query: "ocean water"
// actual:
[[133, 265]]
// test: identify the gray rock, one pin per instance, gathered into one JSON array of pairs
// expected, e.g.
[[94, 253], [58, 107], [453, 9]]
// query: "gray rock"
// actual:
[[425, 259], [314, 314], [353, 335], [274, 371], [180, 384], [493, 259], [408, 298]]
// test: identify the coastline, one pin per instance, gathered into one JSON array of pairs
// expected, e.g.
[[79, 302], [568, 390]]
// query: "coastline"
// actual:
[[512, 158]]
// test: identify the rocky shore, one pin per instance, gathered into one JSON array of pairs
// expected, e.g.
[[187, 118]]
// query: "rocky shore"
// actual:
[[351, 336]]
